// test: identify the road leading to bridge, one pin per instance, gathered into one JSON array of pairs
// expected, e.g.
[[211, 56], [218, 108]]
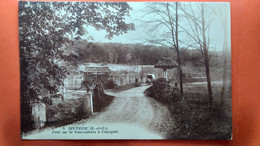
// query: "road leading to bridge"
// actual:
[[131, 115]]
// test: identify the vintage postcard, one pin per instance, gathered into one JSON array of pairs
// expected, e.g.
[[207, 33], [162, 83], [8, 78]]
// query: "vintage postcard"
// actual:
[[125, 70]]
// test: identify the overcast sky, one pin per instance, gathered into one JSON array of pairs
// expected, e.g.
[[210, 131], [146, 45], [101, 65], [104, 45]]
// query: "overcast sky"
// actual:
[[139, 34]]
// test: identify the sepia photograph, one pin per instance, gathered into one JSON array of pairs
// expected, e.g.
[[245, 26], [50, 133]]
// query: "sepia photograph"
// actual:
[[125, 70]]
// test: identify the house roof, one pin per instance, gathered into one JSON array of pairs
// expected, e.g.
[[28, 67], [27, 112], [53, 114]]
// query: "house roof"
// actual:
[[96, 70], [166, 63]]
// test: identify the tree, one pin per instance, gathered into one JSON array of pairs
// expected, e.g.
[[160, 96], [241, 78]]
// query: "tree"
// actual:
[[165, 27], [198, 32], [45, 28], [224, 22]]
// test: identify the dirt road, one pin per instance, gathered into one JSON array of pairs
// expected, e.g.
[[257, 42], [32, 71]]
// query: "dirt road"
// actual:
[[131, 115]]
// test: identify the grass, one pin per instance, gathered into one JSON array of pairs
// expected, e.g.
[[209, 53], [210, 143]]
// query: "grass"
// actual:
[[199, 122], [193, 117]]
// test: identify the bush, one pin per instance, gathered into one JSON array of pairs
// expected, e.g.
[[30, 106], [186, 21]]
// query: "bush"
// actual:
[[65, 112], [47, 101], [110, 84], [160, 91], [101, 103]]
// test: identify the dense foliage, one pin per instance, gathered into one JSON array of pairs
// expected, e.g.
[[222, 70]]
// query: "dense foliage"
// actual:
[[45, 29], [84, 51], [65, 112]]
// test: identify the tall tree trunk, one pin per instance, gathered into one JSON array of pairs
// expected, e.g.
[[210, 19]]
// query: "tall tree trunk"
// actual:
[[206, 59], [180, 74], [177, 48], [210, 95], [223, 89]]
